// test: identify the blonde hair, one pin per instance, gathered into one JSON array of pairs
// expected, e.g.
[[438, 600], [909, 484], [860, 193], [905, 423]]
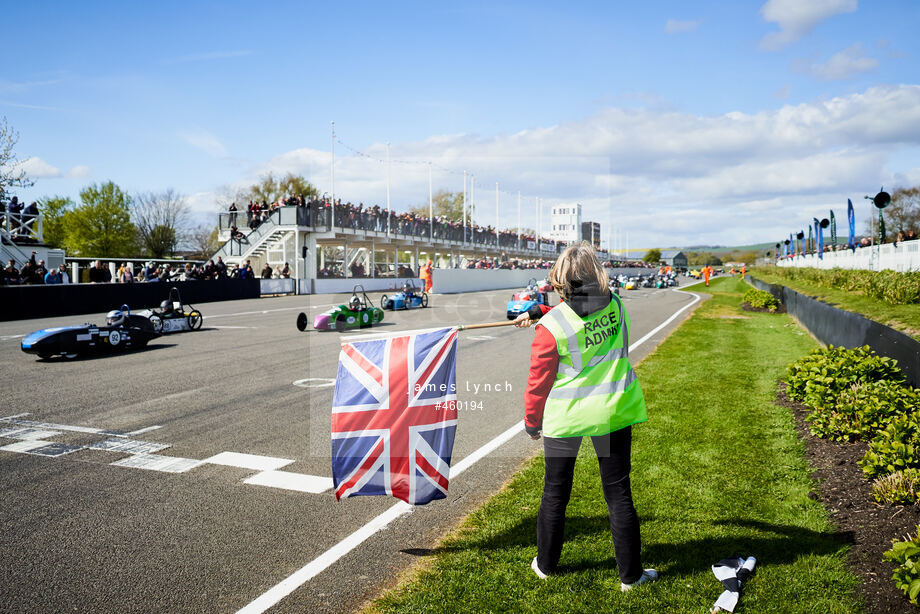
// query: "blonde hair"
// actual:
[[577, 263]]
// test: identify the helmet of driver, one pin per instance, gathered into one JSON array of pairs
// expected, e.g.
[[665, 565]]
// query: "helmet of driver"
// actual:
[[166, 306], [355, 302], [115, 317]]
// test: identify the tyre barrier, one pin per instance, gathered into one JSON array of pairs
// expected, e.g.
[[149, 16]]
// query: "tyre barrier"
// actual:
[[833, 326]]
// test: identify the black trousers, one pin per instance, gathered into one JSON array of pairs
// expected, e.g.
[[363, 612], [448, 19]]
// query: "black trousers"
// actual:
[[613, 453]]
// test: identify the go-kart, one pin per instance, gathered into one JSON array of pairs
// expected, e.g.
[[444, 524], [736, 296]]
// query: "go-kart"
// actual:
[[544, 286], [359, 312], [409, 298], [525, 299], [123, 330], [173, 316]]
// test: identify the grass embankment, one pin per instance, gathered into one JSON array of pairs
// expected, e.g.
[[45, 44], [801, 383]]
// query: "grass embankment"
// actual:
[[718, 470], [905, 318]]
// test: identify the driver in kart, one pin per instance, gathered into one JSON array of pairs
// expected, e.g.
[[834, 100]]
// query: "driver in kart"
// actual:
[[354, 303], [166, 307], [408, 289], [116, 317]]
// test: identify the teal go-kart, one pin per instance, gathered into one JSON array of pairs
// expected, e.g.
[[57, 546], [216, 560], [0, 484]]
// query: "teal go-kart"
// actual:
[[410, 298], [359, 312], [522, 301]]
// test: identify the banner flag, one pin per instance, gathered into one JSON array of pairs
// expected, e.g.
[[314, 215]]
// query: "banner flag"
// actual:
[[394, 415], [851, 220]]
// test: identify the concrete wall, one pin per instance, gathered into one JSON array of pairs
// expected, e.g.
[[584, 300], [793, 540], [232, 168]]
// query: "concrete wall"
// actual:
[[332, 286], [451, 281]]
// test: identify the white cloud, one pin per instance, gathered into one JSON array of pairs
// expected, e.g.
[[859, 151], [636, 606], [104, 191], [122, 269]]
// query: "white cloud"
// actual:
[[205, 141], [842, 65], [673, 26], [79, 172], [36, 168], [796, 18]]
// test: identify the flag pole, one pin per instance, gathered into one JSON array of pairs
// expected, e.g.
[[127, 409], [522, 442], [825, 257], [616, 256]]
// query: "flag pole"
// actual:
[[484, 325]]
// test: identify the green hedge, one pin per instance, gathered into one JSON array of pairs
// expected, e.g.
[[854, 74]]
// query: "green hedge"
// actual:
[[760, 299], [906, 554], [890, 286]]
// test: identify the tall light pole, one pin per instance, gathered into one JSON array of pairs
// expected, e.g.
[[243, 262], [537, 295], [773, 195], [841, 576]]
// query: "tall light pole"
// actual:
[[519, 222], [464, 207], [496, 215], [332, 167], [430, 207], [388, 189]]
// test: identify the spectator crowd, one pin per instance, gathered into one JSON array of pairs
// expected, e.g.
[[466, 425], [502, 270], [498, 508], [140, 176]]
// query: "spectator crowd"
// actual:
[[323, 212]]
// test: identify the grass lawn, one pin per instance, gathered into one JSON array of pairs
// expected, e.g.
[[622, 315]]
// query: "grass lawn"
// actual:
[[905, 318], [718, 470]]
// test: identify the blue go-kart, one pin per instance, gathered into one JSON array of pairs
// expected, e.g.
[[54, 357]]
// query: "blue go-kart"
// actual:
[[410, 298], [522, 301]]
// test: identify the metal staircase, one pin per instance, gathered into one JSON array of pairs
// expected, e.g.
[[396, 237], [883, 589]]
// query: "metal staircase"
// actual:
[[8, 249]]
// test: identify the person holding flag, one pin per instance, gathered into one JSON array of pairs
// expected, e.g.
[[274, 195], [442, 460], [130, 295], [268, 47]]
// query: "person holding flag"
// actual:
[[581, 384]]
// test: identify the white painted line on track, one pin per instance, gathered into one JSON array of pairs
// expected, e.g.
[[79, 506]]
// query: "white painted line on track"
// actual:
[[300, 482], [253, 313], [287, 586], [314, 382], [248, 461], [14, 416], [145, 430], [234, 327]]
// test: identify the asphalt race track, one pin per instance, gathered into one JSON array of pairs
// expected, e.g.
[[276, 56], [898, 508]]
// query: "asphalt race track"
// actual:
[[241, 498]]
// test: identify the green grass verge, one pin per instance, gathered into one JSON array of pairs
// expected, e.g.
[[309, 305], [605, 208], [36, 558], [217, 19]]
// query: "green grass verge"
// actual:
[[718, 470], [905, 318]]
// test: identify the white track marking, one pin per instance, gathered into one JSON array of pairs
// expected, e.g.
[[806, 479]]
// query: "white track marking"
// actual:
[[153, 462], [314, 382], [291, 481], [15, 416], [248, 461], [24, 446], [145, 430], [287, 586], [234, 327], [27, 433]]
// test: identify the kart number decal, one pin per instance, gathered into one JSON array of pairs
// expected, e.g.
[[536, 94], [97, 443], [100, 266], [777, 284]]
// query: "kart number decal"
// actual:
[[351, 320], [114, 337], [364, 317]]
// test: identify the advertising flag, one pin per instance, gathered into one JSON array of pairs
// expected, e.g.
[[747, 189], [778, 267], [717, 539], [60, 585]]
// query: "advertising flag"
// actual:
[[819, 239], [394, 415], [851, 220]]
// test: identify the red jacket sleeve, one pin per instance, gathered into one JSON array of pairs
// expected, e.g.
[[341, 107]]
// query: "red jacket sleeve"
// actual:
[[544, 362]]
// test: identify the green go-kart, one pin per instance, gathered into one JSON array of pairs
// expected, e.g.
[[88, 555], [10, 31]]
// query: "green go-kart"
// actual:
[[359, 312]]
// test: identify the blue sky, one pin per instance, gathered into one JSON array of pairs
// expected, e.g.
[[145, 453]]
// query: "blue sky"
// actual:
[[675, 122]]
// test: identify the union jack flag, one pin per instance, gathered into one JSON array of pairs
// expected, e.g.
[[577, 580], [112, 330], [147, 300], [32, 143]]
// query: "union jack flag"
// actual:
[[394, 416]]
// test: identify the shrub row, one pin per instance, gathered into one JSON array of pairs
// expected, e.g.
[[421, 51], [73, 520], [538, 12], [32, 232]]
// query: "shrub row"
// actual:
[[761, 299], [889, 286], [858, 395]]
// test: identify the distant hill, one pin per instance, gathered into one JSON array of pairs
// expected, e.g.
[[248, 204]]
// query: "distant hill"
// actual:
[[722, 249]]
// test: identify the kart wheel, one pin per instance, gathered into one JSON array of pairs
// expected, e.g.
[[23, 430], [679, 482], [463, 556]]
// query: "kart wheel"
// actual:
[[157, 323], [194, 320], [424, 299], [301, 321], [70, 356], [340, 324], [383, 301], [45, 355]]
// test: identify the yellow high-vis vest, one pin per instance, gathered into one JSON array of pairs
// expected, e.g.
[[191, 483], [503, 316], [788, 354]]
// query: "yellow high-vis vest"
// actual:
[[596, 391]]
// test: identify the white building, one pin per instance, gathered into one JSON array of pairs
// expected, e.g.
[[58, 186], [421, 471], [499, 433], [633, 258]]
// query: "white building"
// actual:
[[566, 223]]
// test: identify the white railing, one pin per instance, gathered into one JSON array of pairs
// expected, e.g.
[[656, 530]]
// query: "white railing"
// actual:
[[903, 257], [22, 226]]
